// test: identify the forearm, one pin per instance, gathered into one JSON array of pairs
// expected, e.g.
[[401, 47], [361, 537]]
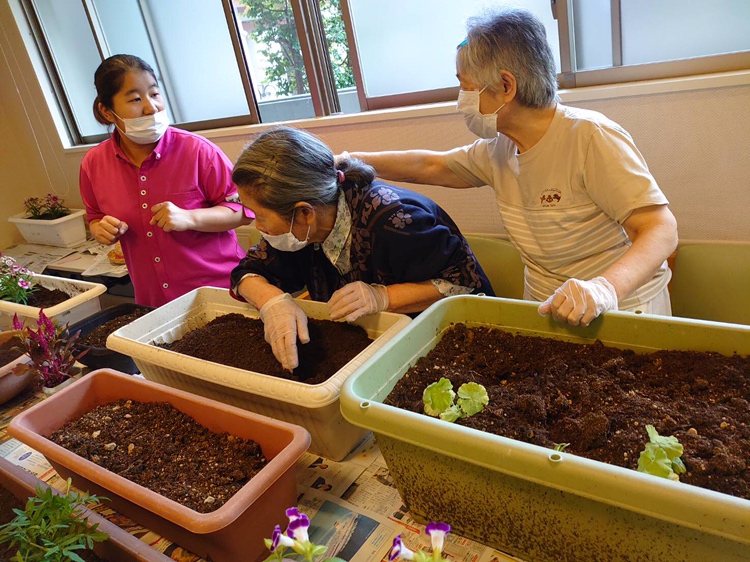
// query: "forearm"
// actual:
[[651, 246], [257, 290], [217, 219], [406, 298], [412, 166]]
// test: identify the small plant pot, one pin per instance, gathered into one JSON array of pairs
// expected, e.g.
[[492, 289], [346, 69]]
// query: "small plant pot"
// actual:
[[66, 232], [83, 302], [50, 390], [233, 532], [102, 357], [11, 385], [121, 545]]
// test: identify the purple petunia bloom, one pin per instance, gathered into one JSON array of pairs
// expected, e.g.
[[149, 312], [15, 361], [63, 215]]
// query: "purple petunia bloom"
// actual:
[[298, 525], [280, 539], [437, 531], [399, 550]]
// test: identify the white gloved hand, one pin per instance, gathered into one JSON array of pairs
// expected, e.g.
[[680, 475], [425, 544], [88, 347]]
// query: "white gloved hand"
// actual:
[[283, 322], [579, 302], [357, 299]]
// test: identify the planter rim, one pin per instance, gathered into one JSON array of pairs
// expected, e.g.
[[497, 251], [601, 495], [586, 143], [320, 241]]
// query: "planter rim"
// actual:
[[676, 502], [23, 219], [134, 340], [199, 523]]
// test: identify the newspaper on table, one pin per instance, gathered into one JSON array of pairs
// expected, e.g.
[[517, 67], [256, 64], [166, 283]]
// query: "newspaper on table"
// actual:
[[36, 257]]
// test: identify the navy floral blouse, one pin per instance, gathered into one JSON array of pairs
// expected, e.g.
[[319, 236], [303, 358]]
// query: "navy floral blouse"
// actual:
[[390, 235]]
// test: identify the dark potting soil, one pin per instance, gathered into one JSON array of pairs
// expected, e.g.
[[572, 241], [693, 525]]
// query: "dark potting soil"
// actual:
[[9, 502], [42, 297], [98, 336], [599, 399], [157, 446], [9, 350], [238, 341]]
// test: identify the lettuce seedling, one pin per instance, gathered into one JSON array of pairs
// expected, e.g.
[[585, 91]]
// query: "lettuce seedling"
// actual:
[[439, 399], [661, 457]]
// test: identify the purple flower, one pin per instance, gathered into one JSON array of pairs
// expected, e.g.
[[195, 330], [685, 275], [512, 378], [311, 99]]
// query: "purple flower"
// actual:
[[24, 284], [399, 550], [437, 531], [298, 525], [280, 539]]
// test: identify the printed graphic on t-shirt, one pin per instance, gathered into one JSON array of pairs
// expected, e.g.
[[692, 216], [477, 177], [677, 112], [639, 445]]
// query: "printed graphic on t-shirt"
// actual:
[[550, 197]]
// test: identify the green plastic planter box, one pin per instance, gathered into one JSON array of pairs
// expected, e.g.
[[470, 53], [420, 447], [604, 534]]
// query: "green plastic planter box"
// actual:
[[533, 502]]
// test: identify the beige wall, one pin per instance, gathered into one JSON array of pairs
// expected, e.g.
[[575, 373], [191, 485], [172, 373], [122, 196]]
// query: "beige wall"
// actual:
[[697, 144]]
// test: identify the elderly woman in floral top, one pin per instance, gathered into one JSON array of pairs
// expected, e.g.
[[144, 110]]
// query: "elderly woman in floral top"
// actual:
[[361, 245]]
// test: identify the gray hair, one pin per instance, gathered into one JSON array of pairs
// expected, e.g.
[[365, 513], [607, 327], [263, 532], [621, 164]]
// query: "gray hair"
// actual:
[[284, 166], [514, 40]]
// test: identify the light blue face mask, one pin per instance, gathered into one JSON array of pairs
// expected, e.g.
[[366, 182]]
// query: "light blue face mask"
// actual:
[[147, 129], [483, 126], [287, 242]]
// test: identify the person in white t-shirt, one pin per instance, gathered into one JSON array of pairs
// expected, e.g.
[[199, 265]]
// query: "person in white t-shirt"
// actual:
[[574, 193]]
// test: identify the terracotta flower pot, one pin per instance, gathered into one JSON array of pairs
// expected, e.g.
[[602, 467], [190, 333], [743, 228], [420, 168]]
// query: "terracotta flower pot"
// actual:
[[121, 545], [11, 385], [233, 532]]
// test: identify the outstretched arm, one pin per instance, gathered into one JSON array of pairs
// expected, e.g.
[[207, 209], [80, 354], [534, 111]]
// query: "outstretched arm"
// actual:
[[412, 166]]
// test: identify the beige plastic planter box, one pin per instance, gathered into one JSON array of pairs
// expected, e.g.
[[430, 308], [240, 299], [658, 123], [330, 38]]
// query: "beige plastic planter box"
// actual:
[[67, 231], [533, 502], [83, 302], [11, 385], [314, 407], [233, 532]]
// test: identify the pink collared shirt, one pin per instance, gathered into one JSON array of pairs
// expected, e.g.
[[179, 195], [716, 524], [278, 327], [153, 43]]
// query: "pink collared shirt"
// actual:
[[191, 172]]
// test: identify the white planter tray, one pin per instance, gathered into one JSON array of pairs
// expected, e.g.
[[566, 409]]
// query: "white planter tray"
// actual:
[[314, 407], [67, 231], [84, 301]]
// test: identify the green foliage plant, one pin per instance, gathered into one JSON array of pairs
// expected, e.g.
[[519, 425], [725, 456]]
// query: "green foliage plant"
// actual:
[[661, 457], [16, 283], [48, 208], [50, 527], [439, 398]]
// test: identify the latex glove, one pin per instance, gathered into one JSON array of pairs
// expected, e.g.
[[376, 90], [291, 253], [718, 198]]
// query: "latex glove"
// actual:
[[357, 299], [283, 322], [579, 302]]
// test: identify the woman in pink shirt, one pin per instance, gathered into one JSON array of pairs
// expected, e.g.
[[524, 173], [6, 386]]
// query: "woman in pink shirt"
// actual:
[[166, 194]]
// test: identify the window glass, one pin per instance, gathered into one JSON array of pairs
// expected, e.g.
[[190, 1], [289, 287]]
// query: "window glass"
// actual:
[[678, 29], [411, 46]]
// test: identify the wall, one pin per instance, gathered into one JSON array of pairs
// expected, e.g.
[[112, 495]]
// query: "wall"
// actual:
[[696, 141]]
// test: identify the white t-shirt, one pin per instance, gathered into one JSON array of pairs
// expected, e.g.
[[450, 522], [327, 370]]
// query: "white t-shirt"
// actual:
[[564, 200]]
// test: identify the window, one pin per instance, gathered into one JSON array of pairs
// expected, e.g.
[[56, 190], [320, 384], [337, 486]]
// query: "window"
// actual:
[[232, 62]]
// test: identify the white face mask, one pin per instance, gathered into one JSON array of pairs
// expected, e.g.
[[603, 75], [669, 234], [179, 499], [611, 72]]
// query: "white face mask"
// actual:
[[483, 126], [287, 242], [147, 129]]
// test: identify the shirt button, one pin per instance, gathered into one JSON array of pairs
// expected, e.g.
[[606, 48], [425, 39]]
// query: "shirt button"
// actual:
[[143, 178], [157, 259], [165, 286], [144, 206], [149, 234], [158, 155], [143, 192]]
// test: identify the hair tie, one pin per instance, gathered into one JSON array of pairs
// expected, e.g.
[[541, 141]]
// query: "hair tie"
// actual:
[[341, 176]]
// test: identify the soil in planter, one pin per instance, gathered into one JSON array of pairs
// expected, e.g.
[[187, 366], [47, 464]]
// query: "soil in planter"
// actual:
[[238, 341], [157, 446], [599, 399], [7, 351], [98, 336], [42, 297], [9, 502]]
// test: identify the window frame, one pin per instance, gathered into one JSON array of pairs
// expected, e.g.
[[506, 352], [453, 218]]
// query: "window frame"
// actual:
[[323, 92]]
